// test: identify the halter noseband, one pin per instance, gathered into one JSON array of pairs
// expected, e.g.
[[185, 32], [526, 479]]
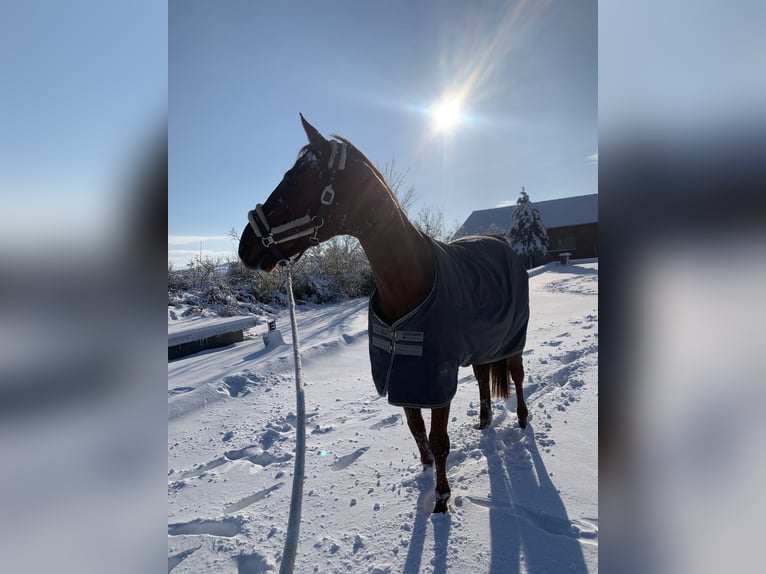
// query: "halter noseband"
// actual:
[[271, 237]]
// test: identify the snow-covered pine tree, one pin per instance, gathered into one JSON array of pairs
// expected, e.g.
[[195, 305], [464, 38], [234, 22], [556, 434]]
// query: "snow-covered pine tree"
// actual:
[[528, 235]]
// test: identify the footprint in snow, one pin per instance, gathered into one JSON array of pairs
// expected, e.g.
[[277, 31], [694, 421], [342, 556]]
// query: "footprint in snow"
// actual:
[[569, 357], [254, 564], [256, 455], [198, 471], [268, 438], [235, 386], [561, 376]]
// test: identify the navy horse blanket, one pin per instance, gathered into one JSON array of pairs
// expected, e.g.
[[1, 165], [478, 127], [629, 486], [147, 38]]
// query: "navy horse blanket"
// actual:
[[477, 312]]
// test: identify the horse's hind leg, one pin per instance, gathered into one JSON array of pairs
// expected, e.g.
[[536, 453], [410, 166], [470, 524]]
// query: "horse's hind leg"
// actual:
[[516, 366], [439, 441], [481, 372], [418, 430]]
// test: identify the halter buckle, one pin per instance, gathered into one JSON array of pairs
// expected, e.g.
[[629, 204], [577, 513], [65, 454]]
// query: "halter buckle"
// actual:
[[268, 241], [328, 195], [314, 239]]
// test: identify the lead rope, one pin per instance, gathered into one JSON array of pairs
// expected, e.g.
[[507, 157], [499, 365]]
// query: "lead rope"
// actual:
[[296, 499]]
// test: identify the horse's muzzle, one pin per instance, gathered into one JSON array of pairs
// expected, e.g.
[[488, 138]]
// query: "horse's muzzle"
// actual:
[[267, 262], [252, 253], [264, 261]]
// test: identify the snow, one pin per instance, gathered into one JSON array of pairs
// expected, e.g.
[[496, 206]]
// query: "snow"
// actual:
[[522, 500]]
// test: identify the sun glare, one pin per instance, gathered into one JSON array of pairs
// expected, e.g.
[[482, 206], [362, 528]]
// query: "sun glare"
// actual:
[[446, 114]]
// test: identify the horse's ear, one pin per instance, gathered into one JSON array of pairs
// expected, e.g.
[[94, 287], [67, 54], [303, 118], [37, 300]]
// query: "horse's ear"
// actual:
[[316, 139]]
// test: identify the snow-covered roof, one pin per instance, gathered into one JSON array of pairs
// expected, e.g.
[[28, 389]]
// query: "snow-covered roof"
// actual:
[[562, 212], [188, 331]]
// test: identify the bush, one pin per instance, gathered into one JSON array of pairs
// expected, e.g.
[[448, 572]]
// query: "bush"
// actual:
[[335, 271]]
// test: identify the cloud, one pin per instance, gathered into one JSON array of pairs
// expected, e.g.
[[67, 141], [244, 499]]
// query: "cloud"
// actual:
[[506, 203], [592, 158], [190, 239]]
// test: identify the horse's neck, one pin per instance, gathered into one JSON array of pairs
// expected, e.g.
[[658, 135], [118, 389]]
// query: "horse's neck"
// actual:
[[400, 256]]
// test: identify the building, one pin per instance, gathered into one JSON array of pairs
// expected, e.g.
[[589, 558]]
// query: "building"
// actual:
[[571, 222]]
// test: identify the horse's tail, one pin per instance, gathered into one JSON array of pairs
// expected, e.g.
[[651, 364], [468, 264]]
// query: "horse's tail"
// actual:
[[498, 376]]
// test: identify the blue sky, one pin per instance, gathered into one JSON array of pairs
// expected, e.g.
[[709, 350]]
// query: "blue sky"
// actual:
[[239, 73], [84, 93]]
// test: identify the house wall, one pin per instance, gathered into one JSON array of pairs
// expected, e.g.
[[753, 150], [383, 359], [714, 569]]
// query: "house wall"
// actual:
[[579, 240]]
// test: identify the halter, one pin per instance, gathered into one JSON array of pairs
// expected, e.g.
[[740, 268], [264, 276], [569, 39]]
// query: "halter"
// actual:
[[271, 237]]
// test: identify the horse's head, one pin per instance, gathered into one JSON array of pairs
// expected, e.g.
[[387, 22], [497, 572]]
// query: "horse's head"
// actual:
[[302, 211]]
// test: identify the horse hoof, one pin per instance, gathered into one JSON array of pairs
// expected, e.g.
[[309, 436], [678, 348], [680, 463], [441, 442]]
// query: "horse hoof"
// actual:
[[523, 423], [441, 503], [482, 424]]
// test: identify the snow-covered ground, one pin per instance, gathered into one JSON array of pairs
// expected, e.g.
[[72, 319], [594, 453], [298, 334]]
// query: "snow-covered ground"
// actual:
[[522, 500]]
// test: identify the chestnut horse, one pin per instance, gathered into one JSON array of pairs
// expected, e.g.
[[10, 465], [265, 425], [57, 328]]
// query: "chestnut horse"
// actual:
[[333, 189]]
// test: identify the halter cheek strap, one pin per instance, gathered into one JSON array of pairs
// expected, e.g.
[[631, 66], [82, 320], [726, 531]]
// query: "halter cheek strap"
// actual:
[[271, 237], [333, 152]]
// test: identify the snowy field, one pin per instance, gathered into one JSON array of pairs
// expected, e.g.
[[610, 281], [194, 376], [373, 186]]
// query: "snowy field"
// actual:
[[522, 500]]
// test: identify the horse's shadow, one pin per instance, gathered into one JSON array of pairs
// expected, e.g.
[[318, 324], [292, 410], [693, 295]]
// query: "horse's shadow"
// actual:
[[442, 523], [527, 516]]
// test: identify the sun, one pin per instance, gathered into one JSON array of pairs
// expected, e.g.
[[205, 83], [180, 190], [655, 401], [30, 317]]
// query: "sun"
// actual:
[[446, 114]]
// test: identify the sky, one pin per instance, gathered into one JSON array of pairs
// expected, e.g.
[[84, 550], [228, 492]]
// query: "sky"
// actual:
[[82, 103], [524, 72]]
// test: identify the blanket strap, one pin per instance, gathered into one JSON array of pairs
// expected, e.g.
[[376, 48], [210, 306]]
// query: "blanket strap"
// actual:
[[408, 343]]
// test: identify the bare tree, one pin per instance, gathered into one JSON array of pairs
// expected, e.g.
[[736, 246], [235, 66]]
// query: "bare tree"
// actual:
[[395, 180], [430, 220]]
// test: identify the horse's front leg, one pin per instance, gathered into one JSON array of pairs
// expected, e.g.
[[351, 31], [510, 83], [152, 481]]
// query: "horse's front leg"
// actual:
[[418, 430], [439, 441]]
